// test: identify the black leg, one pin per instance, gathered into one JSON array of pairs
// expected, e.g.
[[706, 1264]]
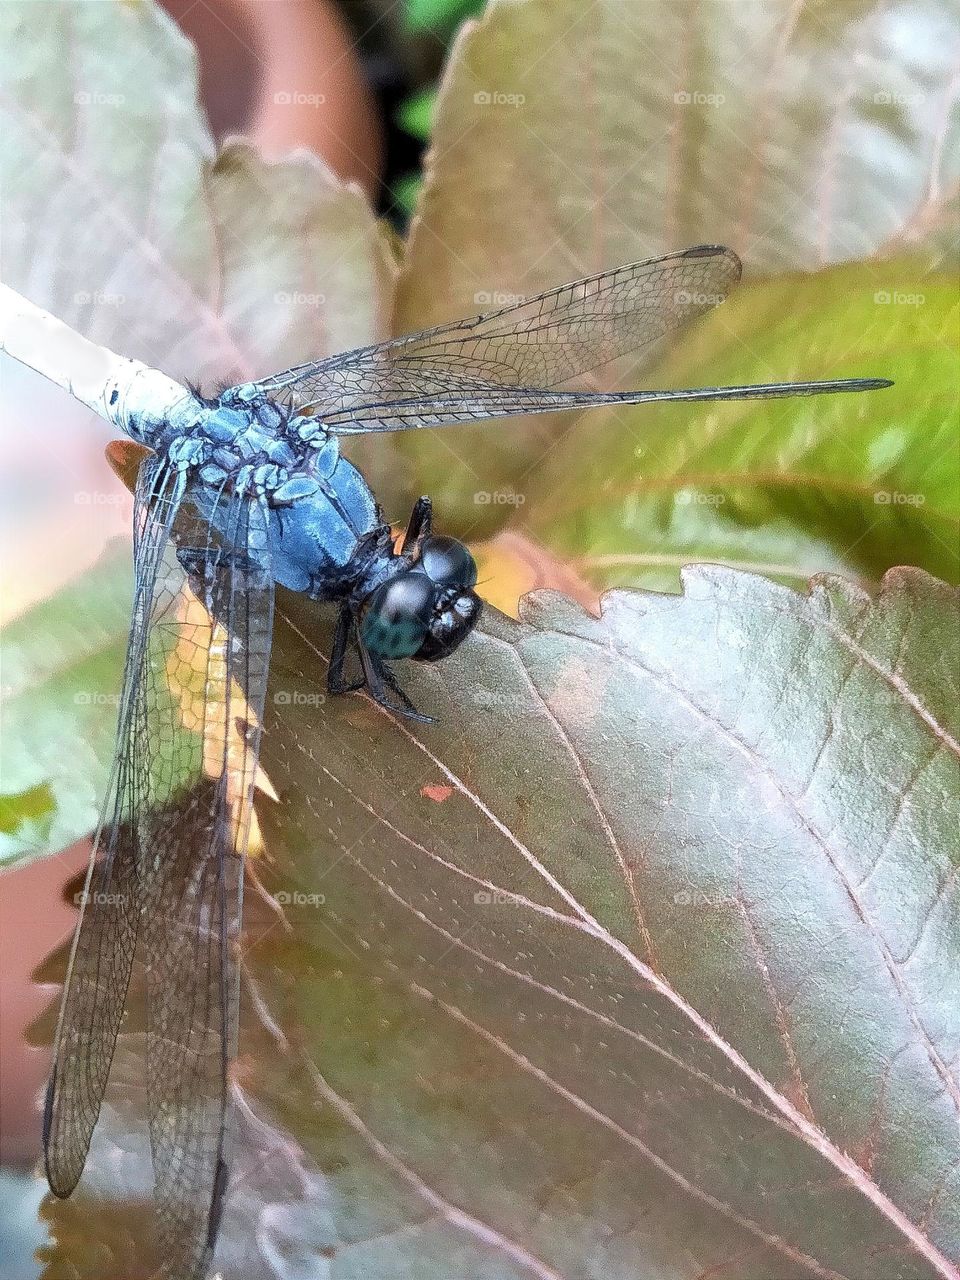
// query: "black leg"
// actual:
[[338, 655], [391, 681], [193, 562], [378, 675], [421, 522], [202, 567]]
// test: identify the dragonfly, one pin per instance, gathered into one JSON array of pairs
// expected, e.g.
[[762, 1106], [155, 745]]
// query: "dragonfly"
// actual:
[[238, 493]]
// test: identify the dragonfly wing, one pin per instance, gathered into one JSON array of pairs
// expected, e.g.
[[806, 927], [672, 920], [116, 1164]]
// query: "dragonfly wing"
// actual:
[[208, 680], [448, 410], [522, 358], [544, 341], [105, 940]]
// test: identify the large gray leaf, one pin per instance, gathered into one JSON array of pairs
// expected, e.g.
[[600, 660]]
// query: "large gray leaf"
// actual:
[[574, 137], [119, 218], [642, 958], [640, 963]]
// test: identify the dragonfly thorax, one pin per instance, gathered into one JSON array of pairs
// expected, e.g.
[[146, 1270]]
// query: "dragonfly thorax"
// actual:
[[246, 449], [327, 535]]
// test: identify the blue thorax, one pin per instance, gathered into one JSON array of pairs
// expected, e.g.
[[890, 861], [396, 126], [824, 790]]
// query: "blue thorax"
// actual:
[[328, 537]]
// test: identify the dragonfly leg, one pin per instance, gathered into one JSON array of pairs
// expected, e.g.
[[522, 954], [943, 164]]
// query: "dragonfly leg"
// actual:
[[193, 563], [379, 678], [336, 681], [421, 522], [407, 706]]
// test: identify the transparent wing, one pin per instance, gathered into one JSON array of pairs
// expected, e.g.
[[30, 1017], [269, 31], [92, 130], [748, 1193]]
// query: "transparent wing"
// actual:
[[206, 684], [100, 962], [540, 342], [191, 710], [448, 410], [517, 360]]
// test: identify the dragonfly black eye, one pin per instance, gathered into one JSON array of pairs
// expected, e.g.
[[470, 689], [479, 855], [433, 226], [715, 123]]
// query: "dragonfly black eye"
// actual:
[[448, 562], [396, 617], [455, 615]]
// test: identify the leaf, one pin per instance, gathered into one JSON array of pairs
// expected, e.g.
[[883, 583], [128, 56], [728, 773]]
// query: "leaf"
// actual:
[[510, 566], [801, 135], [438, 15], [405, 192], [634, 964], [62, 662], [416, 113], [857, 484], [587, 153], [582, 990], [121, 220], [192, 259]]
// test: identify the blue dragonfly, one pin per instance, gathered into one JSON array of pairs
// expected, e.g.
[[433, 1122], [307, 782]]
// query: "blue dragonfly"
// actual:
[[238, 493]]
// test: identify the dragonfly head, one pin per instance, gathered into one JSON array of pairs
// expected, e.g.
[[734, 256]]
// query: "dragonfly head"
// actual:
[[426, 610]]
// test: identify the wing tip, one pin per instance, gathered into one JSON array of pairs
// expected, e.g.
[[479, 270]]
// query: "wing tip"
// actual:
[[716, 251], [60, 1185], [863, 384]]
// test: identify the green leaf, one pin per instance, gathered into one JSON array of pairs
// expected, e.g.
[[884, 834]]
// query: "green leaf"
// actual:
[[406, 192], [26, 820], [854, 483], [438, 15], [812, 136], [62, 662], [639, 954], [416, 113]]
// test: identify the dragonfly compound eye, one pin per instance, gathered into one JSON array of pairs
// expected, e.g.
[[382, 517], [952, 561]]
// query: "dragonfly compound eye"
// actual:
[[448, 562], [455, 615], [395, 618]]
